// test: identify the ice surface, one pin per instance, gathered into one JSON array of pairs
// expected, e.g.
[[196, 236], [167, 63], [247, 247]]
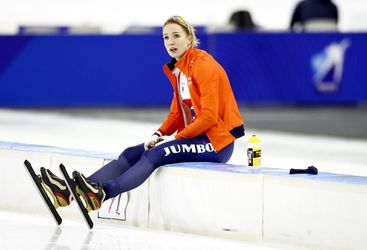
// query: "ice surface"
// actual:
[[21, 231]]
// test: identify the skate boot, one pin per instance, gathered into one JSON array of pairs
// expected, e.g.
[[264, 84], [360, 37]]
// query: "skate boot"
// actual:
[[92, 193], [56, 187]]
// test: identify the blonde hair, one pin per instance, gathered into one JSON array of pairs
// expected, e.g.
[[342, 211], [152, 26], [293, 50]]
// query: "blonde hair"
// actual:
[[188, 28]]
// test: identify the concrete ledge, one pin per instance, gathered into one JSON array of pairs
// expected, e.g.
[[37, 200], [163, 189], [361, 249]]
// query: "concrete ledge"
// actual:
[[315, 213], [327, 211], [214, 203], [262, 204]]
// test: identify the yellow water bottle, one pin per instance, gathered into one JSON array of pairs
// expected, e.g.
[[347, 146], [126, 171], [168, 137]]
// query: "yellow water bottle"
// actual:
[[254, 151]]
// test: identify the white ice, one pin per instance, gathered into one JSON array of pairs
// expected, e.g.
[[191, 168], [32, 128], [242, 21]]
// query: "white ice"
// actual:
[[280, 150], [22, 231]]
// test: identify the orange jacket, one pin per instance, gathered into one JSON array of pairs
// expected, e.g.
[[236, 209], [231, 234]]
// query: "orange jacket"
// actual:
[[216, 110]]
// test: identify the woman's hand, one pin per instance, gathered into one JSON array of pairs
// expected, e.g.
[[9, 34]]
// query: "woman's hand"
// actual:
[[154, 139]]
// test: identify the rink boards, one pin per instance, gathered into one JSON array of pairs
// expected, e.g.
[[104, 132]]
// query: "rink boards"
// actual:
[[326, 211]]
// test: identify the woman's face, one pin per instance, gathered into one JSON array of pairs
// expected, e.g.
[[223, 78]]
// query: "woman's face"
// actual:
[[176, 41]]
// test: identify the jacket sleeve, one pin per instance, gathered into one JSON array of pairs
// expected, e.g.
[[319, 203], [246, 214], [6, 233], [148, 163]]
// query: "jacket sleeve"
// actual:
[[170, 125], [205, 75]]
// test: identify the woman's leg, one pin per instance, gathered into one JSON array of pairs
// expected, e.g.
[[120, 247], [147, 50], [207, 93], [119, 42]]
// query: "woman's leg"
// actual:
[[182, 150], [117, 167]]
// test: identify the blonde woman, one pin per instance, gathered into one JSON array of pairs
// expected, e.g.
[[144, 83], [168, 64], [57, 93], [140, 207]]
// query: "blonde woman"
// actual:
[[203, 123]]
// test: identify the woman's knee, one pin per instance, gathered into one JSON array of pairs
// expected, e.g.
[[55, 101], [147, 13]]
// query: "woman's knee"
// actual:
[[132, 154], [148, 154], [153, 156]]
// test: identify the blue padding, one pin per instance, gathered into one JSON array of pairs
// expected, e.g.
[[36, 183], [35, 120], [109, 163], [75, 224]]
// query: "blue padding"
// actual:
[[243, 169], [57, 150], [124, 70]]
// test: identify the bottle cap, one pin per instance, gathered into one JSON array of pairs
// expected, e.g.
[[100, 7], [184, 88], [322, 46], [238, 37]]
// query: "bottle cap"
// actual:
[[254, 139]]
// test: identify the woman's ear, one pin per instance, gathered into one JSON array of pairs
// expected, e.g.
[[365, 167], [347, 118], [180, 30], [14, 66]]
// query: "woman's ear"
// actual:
[[190, 39]]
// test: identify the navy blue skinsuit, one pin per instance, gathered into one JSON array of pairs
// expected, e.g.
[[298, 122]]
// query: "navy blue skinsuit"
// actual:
[[135, 164]]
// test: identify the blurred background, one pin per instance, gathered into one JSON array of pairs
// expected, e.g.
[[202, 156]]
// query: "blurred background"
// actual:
[[294, 67], [114, 16]]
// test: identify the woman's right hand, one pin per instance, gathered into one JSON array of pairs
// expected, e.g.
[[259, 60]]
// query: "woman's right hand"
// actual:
[[154, 139]]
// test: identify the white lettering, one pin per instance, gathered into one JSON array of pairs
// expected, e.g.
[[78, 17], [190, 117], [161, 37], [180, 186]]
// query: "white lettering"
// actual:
[[192, 148], [200, 148], [173, 149], [167, 151], [188, 148], [209, 147]]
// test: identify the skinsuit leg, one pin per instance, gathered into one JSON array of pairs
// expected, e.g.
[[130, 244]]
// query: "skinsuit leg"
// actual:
[[135, 164]]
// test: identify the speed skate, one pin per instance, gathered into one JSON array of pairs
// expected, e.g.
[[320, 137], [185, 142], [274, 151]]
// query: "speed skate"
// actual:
[[42, 188], [65, 193], [72, 187]]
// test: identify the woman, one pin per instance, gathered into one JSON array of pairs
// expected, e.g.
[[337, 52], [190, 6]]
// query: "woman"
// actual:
[[204, 114]]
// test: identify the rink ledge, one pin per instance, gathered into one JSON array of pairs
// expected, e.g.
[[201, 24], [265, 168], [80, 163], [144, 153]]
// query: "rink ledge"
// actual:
[[326, 211]]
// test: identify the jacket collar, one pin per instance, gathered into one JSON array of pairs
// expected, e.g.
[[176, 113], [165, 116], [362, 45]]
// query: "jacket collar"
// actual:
[[184, 62], [171, 64]]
